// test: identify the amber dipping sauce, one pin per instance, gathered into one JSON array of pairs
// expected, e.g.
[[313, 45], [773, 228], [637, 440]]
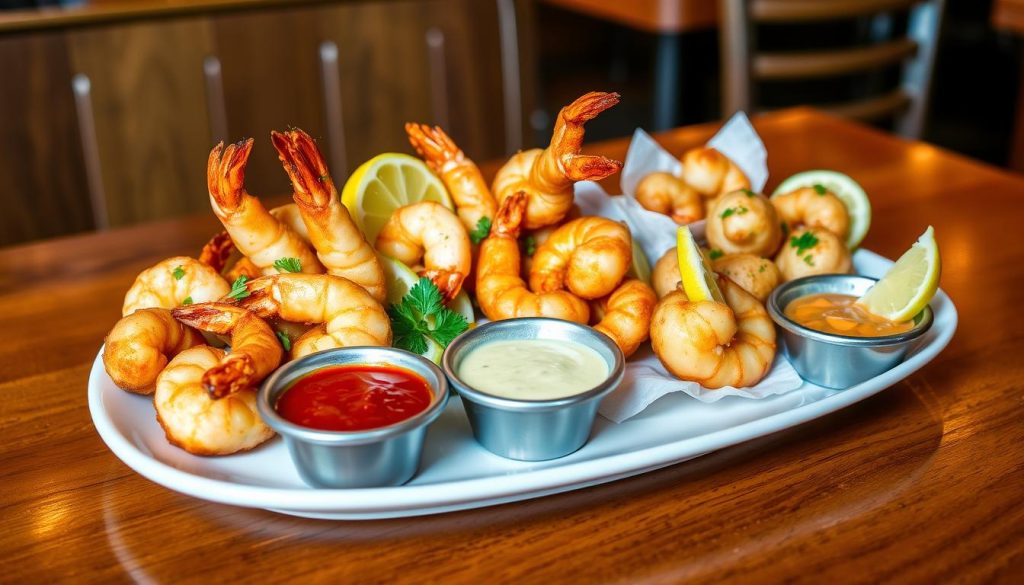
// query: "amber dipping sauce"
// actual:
[[837, 314], [354, 398]]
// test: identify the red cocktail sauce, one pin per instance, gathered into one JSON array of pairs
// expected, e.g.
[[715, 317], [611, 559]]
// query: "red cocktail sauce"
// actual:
[[354, 398]]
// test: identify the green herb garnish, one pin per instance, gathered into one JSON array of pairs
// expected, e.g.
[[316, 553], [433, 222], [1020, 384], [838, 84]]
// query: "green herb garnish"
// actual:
[[763, 266], [529, 245], [178, 273], [288, 265], [714, 254], [421, 315], [727, 213], [481, 231], [238, 289], [749, 192], [785, 230], [286, 341], [187, 301], [804, 242], [809, 260], [820, 189]]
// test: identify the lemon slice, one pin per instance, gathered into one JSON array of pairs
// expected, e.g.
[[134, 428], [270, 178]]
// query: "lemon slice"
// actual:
[[910, 284], [640, 269], [386, 182], [846, 189], [698, 279]]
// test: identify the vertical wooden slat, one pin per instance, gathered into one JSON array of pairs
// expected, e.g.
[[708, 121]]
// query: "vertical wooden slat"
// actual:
[[82, 88], [331, 82], [923, 26], [215, 106], [508, 32], [438, 76], [736, 42]]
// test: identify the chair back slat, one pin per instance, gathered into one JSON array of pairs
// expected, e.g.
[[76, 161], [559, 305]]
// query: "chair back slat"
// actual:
[[829, 63], [811, 10], [871, 109]]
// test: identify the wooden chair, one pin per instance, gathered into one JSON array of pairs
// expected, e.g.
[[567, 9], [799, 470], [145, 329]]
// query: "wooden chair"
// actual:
[[743, 65]]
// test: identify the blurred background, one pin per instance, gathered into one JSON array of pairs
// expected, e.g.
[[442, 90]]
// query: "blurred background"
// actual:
[[108, 108]]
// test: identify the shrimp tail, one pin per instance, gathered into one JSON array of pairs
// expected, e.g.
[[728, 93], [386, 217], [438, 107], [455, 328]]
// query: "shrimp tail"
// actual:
[[233, 375], [448, 282], [305, 166], [433, 145], [225, 172], [216, 252], [588, 106], [589, 167], [568, 138], [509, 218], [215, 317]]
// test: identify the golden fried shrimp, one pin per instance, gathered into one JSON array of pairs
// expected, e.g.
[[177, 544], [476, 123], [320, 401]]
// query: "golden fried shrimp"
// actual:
[[711, 173], [245, 267], [813, 251], [345, 312], [743, 222], [588, 256], [339, 244], [197, 423], [756, 275], [714, 344], [139, 346], [813, 207], [465, 183], [289, 215], [255, 349], [625, 315], [547, 175], [171, 282], [500, 291], [665, 275], [216, 252], [429, 232], [669, 195], [257, 233]]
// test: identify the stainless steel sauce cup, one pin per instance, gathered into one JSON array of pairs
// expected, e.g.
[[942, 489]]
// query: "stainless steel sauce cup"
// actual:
[[838, 361], [384, 456], [532, 430]]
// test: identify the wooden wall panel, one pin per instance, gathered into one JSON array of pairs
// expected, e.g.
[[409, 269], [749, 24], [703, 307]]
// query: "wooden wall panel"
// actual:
[[42, 176], [150, 109]]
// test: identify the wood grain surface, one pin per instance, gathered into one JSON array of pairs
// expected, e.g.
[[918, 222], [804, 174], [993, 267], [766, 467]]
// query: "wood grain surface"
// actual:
[[655, 16], [919, 484]]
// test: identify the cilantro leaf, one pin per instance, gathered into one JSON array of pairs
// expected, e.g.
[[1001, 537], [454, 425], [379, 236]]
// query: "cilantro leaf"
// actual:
[[179, 272], [288, 265], [286, 341], [714, 254], [482, 230], [424, 297], [187, 301], [447, 326], [820, 189], [804, 242], [238, 289], [421, 315], [406, 328]]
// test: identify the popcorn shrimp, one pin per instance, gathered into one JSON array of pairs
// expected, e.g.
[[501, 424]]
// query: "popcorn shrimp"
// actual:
[[758, 276], [814, 207], [711, 343], [712, 173], [625, 315], [813, 251], [500, 289], [669, 195], [665, 275], [547, 175], [744, 222], [172, 282], [345, 313], [588, 256], [339, 244], [139, 346], [428, 231]]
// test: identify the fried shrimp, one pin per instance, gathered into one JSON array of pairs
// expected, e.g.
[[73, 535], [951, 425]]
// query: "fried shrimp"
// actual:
[[255, 350], [465, 183], [197, 423], [216, 252], [345, 313], [711, 343], [339, 244], [139, 346], [500, 290], [669, 195], [625, 315], [429, 232], [711, 173], [172, 282], [813, 207], [744, 222], [758, 276], [665, 275], [257, 234], [547, 175], [588, 256], [813, 251]]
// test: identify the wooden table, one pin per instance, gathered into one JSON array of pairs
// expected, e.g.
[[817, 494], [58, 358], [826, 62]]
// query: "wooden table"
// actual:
[[921, 483]]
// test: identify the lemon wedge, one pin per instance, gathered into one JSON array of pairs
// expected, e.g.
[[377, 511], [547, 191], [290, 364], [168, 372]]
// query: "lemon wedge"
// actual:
[[386, 182], [640, 269], [846, 189], [908, 287], [698, 279]]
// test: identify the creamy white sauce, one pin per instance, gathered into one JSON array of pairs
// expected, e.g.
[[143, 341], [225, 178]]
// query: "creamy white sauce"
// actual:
[[533, 369]]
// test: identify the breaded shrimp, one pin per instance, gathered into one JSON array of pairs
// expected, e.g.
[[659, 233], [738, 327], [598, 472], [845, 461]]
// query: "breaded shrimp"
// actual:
[[813, 251], [758, 276], [712, 173], [669, 195], [714, 344], [547, 175], [625, 315], [172, 282], [665, 275], [139, 346], [345, 312], [465, 183], [257, 233], [339, 244], [429, 232], [813, 207], [588, 256], [744, 222], [500, 290]]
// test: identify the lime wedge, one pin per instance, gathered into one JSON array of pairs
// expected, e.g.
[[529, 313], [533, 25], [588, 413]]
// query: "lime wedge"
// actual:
[[846, 189], [908, 287]]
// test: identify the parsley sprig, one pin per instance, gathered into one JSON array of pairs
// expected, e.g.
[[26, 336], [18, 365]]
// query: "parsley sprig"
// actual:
[[286, 342], [288, 265], [179, 272], [481, 231], [421, 315], [715, 254], [238, 289], [734, 211], [529, 245], [820, 189], [803, 242]]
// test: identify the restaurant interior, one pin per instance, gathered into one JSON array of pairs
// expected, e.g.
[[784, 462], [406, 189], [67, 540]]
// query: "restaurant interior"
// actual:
[[122, 122]]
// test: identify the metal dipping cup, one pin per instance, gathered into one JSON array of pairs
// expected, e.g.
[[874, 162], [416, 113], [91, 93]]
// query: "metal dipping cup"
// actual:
[[839, 361], [385, 456], [532, 430]]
